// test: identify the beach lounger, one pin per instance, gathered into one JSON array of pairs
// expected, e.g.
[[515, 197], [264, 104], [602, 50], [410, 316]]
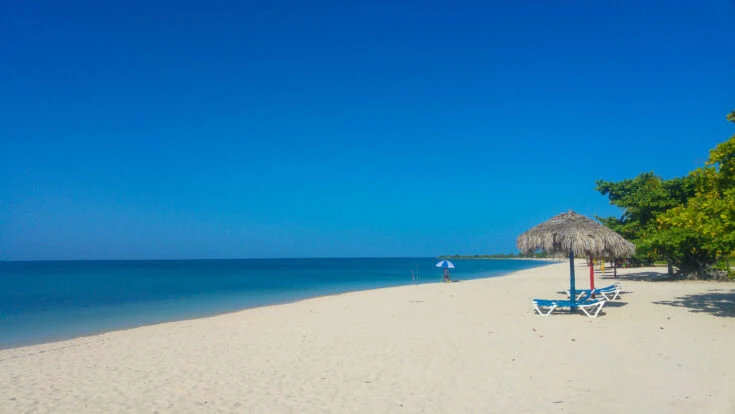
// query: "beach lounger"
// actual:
[[591, 308], [608, 292]]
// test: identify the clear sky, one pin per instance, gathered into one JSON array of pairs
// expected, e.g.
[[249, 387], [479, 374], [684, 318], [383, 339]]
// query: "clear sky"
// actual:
[[204, 129]]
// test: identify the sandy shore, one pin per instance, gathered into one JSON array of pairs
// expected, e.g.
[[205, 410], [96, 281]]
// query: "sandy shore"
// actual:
[[468, 347]]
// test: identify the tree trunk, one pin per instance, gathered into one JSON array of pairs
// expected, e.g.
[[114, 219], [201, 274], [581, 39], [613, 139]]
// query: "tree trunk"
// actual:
[[701, 270]]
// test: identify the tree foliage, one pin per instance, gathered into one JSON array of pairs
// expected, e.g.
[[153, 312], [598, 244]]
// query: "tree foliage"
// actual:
[[710, 213], [688, 221], [643, 199]]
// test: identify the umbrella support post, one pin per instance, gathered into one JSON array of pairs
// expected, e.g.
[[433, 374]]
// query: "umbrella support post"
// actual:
[[615, 268], [592, 277], [572, 290]]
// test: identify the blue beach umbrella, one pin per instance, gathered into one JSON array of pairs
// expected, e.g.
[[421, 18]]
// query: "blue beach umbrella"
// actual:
[[445, 264]]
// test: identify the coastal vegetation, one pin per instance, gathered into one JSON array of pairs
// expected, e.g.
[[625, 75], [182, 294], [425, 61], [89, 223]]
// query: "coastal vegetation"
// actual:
[[687, 221], [536, 255]]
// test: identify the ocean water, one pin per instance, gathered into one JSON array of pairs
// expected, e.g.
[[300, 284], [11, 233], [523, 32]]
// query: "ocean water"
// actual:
[[47, 301]]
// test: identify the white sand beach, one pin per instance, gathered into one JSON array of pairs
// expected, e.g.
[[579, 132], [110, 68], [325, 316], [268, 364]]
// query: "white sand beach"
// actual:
[[469, 347]]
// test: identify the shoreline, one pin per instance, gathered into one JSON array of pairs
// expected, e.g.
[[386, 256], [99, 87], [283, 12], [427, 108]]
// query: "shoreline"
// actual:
[[475, 346], [205, 317], [551, 259], [285, 301]]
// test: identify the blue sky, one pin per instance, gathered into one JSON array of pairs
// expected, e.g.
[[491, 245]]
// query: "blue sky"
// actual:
[[136, 130]]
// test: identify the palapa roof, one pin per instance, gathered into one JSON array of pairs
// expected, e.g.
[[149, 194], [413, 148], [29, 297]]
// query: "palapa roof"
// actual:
[[572, 231]]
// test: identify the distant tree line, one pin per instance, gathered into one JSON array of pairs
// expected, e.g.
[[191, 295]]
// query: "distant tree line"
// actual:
[[537, 255], [687, 221]]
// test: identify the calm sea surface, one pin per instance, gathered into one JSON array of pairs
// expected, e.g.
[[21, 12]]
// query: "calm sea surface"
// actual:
[[46, 301]]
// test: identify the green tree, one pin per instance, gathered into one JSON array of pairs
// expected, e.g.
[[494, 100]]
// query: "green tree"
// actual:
[[688, 221], [643, 199], [710, 214]]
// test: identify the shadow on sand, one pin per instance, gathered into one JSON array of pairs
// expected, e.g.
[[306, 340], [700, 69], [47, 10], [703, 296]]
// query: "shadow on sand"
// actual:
[[717, 302], [615, 304], [648, 277]]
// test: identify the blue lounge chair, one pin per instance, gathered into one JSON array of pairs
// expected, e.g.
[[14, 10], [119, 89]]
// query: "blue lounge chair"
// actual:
[[590, 308], [608, 292]]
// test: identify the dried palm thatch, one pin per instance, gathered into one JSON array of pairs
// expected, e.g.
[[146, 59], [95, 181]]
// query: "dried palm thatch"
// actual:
[[576, 233]]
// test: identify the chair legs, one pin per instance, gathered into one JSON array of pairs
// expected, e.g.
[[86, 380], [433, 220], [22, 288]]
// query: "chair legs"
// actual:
[[598, 305], [591, 310], [540, 311], [613, 293]]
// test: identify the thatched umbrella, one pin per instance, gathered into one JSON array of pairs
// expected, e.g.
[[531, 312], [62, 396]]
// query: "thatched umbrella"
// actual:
[[574, 234]]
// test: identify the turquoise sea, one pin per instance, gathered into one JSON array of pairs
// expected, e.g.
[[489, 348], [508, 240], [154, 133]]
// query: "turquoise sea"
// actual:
[[50, 300]]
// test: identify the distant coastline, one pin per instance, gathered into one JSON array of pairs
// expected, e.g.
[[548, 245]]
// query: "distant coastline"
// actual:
[[541, 256]]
